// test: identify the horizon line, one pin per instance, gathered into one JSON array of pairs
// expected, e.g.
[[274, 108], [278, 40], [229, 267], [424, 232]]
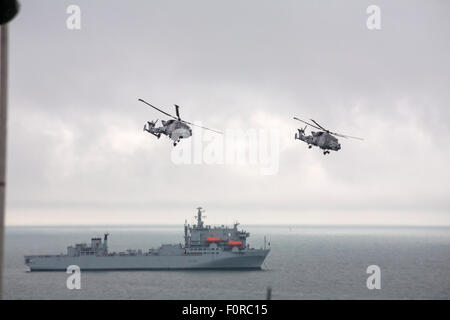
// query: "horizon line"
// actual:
[[252, 224]]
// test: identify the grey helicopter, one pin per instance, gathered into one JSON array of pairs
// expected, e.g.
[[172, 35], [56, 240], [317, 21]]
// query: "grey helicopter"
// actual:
[[175, 129], [324, 139]]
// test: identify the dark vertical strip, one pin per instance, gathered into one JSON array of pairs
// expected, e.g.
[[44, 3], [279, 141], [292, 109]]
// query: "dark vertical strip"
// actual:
[[3, 123]]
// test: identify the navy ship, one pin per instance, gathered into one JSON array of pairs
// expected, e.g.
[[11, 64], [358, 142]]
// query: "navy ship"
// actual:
[[205, 247]]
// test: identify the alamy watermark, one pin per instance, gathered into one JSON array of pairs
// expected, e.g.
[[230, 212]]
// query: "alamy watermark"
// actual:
[[374, 280], [73, 22], [374, 20], [251, 147], [74, 280]]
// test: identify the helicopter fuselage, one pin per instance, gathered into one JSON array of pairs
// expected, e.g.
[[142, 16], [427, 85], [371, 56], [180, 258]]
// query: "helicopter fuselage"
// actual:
[[173, 129], [321, 139]]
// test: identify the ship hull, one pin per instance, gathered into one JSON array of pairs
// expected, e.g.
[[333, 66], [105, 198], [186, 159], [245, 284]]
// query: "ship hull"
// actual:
[[251, 259]]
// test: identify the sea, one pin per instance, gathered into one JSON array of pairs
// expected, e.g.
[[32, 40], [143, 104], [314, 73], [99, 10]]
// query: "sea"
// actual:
[[305, 262]]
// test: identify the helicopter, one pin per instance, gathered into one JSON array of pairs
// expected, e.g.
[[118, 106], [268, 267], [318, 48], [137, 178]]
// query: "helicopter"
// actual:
[[324, 139], [176, 128]]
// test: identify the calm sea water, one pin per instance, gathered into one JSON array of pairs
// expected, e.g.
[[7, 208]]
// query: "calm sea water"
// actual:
[[304, 263]]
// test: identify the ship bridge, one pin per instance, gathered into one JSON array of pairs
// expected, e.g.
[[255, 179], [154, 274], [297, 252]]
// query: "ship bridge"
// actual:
[[201, 235], [97, 248]]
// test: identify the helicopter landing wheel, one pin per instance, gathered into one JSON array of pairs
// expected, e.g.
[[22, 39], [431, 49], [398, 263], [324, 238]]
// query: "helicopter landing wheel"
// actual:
[[309, 147], [174, 144]]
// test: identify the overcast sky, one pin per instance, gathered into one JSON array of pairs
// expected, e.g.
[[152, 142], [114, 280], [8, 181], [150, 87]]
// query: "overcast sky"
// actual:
[[77, 153]]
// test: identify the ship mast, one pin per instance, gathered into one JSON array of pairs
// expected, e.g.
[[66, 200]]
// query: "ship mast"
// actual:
[[185, 233], [105, 243], [199, 217]]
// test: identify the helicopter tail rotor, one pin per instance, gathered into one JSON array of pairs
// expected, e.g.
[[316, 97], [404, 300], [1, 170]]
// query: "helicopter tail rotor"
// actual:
[[152, 124], [301, 131]]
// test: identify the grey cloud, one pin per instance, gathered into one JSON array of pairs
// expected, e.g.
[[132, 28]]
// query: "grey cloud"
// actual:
[[75, 137]]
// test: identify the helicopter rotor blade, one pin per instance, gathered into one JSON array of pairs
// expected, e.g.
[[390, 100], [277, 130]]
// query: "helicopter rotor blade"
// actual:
[[177, 111], [322, 128], [336, 134], [319, 125], [344, 136], [167, 114], [177, 107], [309, 124], [196, 125]]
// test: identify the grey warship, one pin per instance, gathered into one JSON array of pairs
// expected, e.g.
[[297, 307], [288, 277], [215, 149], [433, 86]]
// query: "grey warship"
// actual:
[[205, 247]]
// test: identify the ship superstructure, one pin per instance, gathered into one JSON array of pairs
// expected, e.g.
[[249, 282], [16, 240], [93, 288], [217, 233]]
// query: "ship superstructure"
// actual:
[[205, 247], [200, 236]]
